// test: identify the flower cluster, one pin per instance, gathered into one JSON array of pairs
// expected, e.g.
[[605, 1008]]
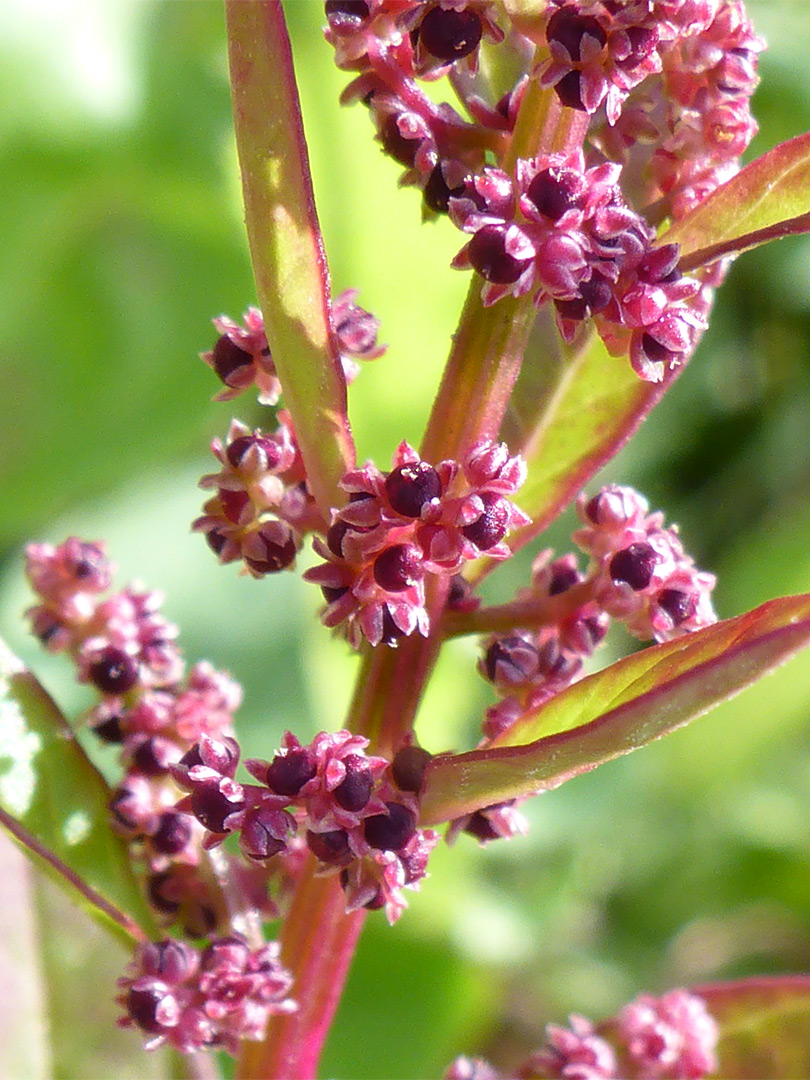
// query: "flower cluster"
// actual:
[[389, 44], [262, 506], [563, 232], [669, 1038], [399, 527], [666, 87], [639, 573], [356, 815], [241, 356], [126, 650], [204, 999]]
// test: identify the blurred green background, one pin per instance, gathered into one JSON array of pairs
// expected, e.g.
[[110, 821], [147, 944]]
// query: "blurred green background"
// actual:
[[122, 237]]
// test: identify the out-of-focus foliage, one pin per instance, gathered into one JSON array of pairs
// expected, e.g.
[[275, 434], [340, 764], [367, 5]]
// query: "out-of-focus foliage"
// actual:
[[122, 236]]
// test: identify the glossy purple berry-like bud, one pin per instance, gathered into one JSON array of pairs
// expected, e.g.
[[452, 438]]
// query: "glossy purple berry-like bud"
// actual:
[[395, 144], [347, 11], [677, 604], [390, 831], [398, 567], [408, 768], [114, 671], [563, 577], [212, 806], [512, 658], [237, 449], [437, 194], [287, 773], [154, 756], [110, 730], [216, 540], [634, 566], [257, 840], [450, 35], [556, 190], [330, 847], [409, 487], [331, 594], [354, 791], [567, 26], [488, 255], [228, 359], [490, 528], [173, 833], [481, 828], [275, 557], [143, 1006]]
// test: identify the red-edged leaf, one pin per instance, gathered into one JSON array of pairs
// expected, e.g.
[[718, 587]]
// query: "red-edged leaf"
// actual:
[[596, 406], [627, 705], [289, 263], [764, 1027], [768, 198], [53, 802]]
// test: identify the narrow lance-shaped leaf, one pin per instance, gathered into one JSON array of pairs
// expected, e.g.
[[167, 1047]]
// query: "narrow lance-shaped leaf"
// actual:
[[620, 709], [767, 199], [289, 263], [53, 802]]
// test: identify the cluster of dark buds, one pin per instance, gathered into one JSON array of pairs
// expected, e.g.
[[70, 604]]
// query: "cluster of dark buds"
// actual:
[[639, 574], [665, 88], [148, 707], [402, 526], [668, 1038], [201, 999], [262, 507], [241, 356], [356, 815]]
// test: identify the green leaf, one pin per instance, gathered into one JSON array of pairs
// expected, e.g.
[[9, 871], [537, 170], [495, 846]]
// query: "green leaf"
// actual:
[[767, 199], [289, 263], [53, 802], [764, 1027], [618, 710]]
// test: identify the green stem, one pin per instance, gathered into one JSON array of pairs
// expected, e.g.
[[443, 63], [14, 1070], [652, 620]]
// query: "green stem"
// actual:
[[289, 264]]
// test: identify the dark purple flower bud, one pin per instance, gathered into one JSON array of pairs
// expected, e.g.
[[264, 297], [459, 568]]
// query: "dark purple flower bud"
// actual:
[[398, 567], [563, 577], [211, 804], [334, 537], [643, 41], [173, 833], [510, 659], [395, 144], [148, 1007], [110, 730], [567, 26], [216, 540], [233, 503], [481, 828], [330, 847], [556, 190], [391, 633], [654, 350], [288, 772], [677, 604], [661, 264], [409, 487], [114, 671], [596, 627], [569, 91], [597, 292], [257, 839], [154, 756], [268, 448], [490, 528], [408, 768], [634, 566], [354, 791], [277, 555], [331, 594], [488, 255], [450, 35], [437, 194], [228, 359], [391, 831], [347, 13]]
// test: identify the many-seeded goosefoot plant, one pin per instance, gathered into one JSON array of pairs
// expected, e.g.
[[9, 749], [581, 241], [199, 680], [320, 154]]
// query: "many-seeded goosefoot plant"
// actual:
[[602, 187]]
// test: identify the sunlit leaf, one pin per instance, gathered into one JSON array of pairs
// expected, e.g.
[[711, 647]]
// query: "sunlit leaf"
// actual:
[[620, 709], [53, 802], [768, 198], [289, 263]]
